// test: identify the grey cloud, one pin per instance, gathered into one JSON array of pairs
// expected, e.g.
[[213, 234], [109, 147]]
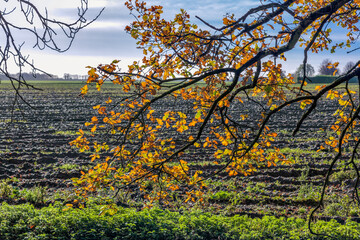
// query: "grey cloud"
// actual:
[[104, 42]]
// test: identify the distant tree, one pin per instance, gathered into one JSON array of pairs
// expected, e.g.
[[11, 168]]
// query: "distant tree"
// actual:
[[348, 66], [309, 71], [328, 68], [66, 76]]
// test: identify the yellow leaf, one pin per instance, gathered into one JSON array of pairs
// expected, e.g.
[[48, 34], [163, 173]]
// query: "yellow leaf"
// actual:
[[318, 88], [84, 90], [159, 121], [108, 101], [342, 102]]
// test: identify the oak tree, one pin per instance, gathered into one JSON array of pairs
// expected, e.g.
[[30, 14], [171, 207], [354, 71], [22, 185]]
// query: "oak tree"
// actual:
[[188, 97]]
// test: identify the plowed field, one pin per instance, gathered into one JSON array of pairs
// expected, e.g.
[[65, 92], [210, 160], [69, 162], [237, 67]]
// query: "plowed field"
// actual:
[[34, 149]]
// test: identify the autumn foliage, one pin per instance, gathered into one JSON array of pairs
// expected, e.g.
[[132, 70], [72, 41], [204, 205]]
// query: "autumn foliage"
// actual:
[[215, 69]]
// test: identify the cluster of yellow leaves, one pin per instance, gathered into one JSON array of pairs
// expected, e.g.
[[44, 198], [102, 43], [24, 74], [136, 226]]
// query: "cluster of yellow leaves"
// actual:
[[344, 120], [81, 142], [274, 86], [183, 64]]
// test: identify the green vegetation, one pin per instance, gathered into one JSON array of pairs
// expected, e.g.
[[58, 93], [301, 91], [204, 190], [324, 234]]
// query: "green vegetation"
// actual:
[[67, 133], [342, 175], [304, 174], [69, 166], [222, 196], [309, 192], [35, 195], [297, 151], [56, 222]]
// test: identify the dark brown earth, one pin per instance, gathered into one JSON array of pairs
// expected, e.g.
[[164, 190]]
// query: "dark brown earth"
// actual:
[[34, 149]]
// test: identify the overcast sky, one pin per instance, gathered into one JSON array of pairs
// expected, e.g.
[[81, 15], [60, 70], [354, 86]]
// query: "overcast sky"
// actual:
[[105, 39]]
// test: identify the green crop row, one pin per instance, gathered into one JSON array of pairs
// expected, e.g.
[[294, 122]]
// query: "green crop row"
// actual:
[[27, 222]]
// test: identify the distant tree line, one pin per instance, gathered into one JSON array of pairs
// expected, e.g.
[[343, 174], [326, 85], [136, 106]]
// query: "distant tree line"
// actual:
[[69, 76], [41, 76], [327, 68]]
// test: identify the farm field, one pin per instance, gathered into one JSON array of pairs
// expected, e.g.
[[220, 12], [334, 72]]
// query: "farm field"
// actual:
[[35, 156]]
